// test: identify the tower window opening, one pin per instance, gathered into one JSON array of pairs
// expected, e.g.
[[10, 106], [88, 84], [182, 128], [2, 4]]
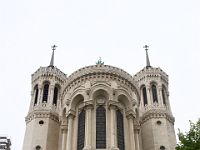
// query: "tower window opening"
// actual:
[[100, 127], [38, 147], [163, 96], [154, 93], [120, 130], [162, 147], [55, 96], [81, 130], [36, 95], [45, 92], [144, 93], [41, 122]]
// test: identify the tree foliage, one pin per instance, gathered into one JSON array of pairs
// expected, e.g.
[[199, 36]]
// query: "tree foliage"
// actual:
[[190, 140]]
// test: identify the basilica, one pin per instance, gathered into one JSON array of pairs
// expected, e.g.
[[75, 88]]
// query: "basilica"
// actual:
[[99, 107]]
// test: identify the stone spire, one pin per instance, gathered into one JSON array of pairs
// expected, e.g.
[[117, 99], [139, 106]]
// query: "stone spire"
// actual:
[[52, 57], [147, 56]]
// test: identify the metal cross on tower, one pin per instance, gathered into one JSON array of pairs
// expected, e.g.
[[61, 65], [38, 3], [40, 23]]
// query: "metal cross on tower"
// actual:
[[54, 47], [147, 56], [52, 57]]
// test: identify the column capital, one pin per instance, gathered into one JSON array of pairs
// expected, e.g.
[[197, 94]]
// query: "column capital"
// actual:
[[64, 128], [71, 114], [88, 104], [136, 124], [113, 107], [130, 114], [52, 86], [112, 104]]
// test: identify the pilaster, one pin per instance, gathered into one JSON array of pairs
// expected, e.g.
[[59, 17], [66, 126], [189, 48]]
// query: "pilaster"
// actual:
[[88, 127], [130, 116], [113, 128], [70, 119]]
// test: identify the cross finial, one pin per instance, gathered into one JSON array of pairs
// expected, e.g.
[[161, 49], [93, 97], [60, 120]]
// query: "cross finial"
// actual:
[[54, 47], [146, 47], [52, 57], [147, 56]]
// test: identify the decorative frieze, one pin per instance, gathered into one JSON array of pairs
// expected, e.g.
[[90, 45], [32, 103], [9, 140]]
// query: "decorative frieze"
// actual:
[[154, 114], [41, 114]]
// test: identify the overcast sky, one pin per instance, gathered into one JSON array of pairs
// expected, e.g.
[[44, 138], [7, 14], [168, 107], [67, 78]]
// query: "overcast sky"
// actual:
[[84, 30]]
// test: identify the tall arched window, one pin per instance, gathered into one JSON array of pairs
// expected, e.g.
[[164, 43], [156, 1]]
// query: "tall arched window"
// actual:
[[120, 130], [144, 94], [154, 93], [100, 127], [163, 95], [55, 96], [45, 92], [36, 94], [81, 130]]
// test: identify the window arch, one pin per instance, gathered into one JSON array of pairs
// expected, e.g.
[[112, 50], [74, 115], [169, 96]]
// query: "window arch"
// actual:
[[144, 94], [154, 93], [164, 95], [100, 127], [120, 130], [81, 130], [36, 95], [55, 95], [45, 92]]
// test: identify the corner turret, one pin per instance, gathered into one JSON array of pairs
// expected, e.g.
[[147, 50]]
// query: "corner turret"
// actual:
[[156, 117], [43, 116]]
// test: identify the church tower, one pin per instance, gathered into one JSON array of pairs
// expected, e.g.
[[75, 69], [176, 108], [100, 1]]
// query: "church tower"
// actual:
[[156, 119], [42, 121], [99, 107]]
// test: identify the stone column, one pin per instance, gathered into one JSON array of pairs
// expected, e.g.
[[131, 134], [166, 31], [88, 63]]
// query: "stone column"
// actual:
[[113, 131], [70, 118], [88, 127], [64, 137], [149, 100], [130, 118], [160, 98], [50, 96], [39, 94], [137, 141]]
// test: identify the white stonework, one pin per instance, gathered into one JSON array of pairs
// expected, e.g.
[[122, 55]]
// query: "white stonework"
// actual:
[[53, 124]]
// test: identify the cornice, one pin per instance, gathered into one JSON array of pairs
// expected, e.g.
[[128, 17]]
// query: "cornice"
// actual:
[[151, 72], [42, 114], [100, 73], [49, 72], [154, 114]]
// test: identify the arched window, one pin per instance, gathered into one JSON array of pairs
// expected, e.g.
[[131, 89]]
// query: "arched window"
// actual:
[[36, 94], [144, 94], [55, 96], [45, 92], [100, 127], [154, 93], [163, 95], [120, 130], [81, 130]]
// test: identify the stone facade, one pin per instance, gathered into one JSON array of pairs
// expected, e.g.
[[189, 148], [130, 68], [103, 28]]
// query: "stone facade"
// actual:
[[71, 112]]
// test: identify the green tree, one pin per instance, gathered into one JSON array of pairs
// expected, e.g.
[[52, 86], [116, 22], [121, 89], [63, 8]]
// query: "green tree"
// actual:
[[190, 140]]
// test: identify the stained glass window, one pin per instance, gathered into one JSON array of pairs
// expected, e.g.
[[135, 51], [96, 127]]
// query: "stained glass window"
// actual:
[[55, 96], [100, 127], [45, 92], [154, 93], [81, 130], [163, 96], [120, 130], [144, 93], [36, 95]]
